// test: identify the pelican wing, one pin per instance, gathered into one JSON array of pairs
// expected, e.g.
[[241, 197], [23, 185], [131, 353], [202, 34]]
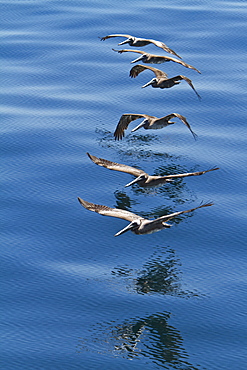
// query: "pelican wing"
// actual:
[[190, 174], [172, 215], [184, 64], [115, 35], [116, 166], [124, 123], [136, 70], [184, 120], [171, 59], [133, 51], [164, 47], [107, 211], [181, 77]]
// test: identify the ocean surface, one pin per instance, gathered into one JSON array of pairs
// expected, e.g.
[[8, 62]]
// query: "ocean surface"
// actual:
[[73, 296]]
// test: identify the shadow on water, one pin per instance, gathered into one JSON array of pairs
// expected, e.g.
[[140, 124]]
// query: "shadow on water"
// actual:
[[124, 201], [108, 141], [174, 191], [150, 338], [161, 274]]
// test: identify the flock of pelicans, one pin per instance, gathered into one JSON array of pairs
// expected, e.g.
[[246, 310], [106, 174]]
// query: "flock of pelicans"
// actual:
[[138, 224]]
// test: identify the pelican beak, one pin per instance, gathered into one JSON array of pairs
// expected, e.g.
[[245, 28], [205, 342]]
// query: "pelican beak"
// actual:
[[147, 84], [132, 182], [127, 228], [124, 42], [137, 59], [142, 124]]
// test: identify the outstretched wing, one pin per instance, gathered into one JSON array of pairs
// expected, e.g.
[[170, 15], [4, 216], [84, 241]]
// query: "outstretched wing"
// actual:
[[190, 174], [172, 215], [164, 47], [116, 166], [137, 69], [124, 123], [178, 61], [181, 77], [115, 35], [184, 120], [107, 211]]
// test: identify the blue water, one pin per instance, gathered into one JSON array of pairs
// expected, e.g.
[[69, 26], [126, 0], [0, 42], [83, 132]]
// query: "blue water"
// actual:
[[72, 295]]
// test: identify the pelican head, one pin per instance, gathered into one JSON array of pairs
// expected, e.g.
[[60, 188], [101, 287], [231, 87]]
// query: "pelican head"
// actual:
[[142, 57], [141, 178], [132, 226], [143, 124], [152, 82], [129, 40]]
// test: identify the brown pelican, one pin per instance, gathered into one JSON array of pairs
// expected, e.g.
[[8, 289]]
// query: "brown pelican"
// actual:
[[149, 123], [161, 79], [139, 42], [142, 178], [154, 59], [138, 224]]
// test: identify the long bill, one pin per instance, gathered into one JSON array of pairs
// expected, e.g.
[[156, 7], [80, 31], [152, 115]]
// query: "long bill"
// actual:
[[132, 182], [127, 228], [124, 42], [137, 59], [139, 126], [147, 84]]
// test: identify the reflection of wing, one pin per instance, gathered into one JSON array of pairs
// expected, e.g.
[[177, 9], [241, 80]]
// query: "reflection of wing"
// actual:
[[124, 123], [107, 211], [184, 120], [136, 70], [133, 51], [190, 173], [115, 35], [172, 215], [116, 166], [181, 77]]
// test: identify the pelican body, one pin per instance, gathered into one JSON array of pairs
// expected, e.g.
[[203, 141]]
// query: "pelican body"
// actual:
[[138, 225], [140, 42], [155, 59], [149, 123], [161, 80], [142, 178]]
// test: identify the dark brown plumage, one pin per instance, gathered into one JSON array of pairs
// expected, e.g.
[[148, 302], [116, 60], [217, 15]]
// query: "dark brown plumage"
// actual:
[[161, 80], [155, 59]]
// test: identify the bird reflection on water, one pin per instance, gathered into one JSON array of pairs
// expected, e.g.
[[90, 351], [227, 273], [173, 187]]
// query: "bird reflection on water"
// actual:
[[160, 274], [150, 338]]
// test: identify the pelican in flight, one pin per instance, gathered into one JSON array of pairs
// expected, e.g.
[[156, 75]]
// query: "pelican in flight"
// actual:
[[154, 59], [149, 123], [138, 224], [142, 178], [139, 42], [161, 80]]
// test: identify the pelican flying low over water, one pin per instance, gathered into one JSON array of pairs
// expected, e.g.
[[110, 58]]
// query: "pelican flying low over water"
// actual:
[[142, 178], [154, 59], [161, 80], [138, 224], [149, 123], [139, 42]]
